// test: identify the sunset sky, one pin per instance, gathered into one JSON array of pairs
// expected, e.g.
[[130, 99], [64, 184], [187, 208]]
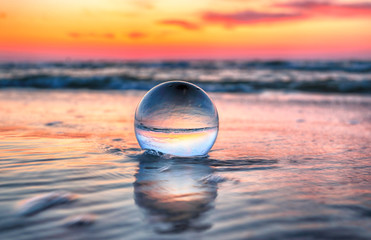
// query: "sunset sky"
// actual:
[[184, 29]]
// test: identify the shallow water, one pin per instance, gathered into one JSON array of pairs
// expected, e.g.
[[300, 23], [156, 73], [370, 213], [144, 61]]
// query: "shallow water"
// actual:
[[284, 166]]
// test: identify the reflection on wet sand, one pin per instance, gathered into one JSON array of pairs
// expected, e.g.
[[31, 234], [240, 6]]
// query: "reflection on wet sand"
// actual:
[[280, 178], [172, 193]]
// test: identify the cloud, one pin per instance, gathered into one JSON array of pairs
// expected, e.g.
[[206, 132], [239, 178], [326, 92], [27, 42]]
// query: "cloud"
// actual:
[[74, 35], [290, 10], [3, 15], [328, 8], [181, 23], [319, 4], [137, 35], [247, 17], [91, 35]]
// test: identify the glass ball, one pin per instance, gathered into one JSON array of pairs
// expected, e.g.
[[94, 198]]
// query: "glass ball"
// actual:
[[176, 118]]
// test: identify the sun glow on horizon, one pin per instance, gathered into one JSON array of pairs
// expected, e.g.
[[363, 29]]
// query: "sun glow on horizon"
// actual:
[[148, 29]]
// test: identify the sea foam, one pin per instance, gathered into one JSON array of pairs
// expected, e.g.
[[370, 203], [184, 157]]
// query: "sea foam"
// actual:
[[41, 202]]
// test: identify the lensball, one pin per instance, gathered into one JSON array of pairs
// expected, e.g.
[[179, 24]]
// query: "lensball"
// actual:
[[176, 118]]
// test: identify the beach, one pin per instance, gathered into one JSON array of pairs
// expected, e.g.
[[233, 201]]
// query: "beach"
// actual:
[[185, 120], [285, 165]]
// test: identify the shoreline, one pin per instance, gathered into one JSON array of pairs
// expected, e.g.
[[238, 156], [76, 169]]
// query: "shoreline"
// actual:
[[298, 161]]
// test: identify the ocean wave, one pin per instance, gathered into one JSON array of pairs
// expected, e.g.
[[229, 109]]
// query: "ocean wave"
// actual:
[[213, 76]]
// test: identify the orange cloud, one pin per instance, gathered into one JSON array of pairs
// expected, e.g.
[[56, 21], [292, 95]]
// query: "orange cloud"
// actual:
[[137, 35], [74, 35], [181, 23], [91, 35], [2, 15]]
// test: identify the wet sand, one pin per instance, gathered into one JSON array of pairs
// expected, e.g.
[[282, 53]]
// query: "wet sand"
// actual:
[[284, 166]]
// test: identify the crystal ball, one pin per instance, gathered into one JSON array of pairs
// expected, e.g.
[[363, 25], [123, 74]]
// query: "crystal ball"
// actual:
[[176, 118]]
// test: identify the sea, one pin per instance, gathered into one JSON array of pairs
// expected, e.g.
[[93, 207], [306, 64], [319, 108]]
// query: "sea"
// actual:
[[212, 76], [292, 158]]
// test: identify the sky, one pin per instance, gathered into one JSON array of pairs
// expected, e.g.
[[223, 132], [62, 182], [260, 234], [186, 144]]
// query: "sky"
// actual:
[[184, 29]]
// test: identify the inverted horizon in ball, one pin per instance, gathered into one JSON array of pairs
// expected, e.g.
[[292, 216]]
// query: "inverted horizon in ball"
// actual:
[[176, 118]]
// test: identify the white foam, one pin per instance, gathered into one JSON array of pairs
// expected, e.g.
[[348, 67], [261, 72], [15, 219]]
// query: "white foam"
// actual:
[[41, 202]]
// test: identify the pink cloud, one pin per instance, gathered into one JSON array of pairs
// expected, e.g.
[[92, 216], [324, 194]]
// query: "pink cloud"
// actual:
[[247, 17], [291, 10], [181, 23], [329, 8]]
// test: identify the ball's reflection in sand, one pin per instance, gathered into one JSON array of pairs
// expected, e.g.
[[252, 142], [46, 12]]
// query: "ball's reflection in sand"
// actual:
[[172, 193]]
